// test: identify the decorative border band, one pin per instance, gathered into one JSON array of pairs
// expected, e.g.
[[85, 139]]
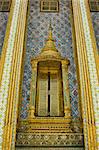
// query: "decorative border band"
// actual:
[[92, 66], [7, 70]]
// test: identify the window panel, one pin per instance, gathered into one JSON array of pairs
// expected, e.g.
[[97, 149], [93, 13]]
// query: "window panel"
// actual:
[[42, 94], [54, 95], [49, 6], [5, 5]]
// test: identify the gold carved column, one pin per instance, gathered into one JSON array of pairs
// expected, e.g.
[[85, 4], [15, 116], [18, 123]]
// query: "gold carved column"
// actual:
[[88, 73], [11, 61], [66, 94], [33, 91]]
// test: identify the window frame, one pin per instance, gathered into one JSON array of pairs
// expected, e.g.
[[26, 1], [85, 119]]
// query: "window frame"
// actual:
[[49, 7]]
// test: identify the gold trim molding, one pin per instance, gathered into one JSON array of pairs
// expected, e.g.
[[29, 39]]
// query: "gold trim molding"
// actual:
[[10, 76], [86, 58]]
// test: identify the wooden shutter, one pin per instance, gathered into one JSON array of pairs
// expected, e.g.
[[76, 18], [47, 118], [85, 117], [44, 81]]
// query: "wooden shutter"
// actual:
[[42, 94], [54, 95]]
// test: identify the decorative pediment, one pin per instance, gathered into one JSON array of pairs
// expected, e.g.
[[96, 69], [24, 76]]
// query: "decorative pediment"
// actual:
[[49, 51]]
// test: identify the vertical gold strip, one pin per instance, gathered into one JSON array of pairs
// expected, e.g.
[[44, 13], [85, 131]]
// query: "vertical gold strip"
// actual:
[[85, 83], [22, 22], [5, 44], [23, 63], [9, 132], [6, 70], [93, 76], [76, 62], [80, 46], [96, 55]]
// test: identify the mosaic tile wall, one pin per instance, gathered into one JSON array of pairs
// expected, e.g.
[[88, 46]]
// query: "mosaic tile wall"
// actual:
[[3, 23], [95, 21], [38, 23]]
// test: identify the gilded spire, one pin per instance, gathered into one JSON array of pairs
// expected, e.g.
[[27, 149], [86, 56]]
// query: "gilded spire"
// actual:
[[50, 45], [50, 37]]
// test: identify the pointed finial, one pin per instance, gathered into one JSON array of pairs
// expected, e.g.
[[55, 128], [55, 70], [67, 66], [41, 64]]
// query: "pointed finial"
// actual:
[[50, 25], [50, 45], [50, 37]]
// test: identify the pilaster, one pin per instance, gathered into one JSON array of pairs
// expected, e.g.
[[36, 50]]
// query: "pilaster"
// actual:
[[88, 74], [33, 91], [10, 80], [67, 108]]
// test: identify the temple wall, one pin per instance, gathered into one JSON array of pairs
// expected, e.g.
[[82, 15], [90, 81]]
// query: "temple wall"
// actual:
[[13, 57], [38, 23]]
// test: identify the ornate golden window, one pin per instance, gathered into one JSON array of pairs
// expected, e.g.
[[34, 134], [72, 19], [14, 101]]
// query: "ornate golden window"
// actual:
[[49, 101], [49, 5], [49, 83]]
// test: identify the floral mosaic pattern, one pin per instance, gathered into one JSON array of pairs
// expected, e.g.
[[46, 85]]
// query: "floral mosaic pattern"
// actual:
[[95, 21], [3, 23], [38, 23]]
